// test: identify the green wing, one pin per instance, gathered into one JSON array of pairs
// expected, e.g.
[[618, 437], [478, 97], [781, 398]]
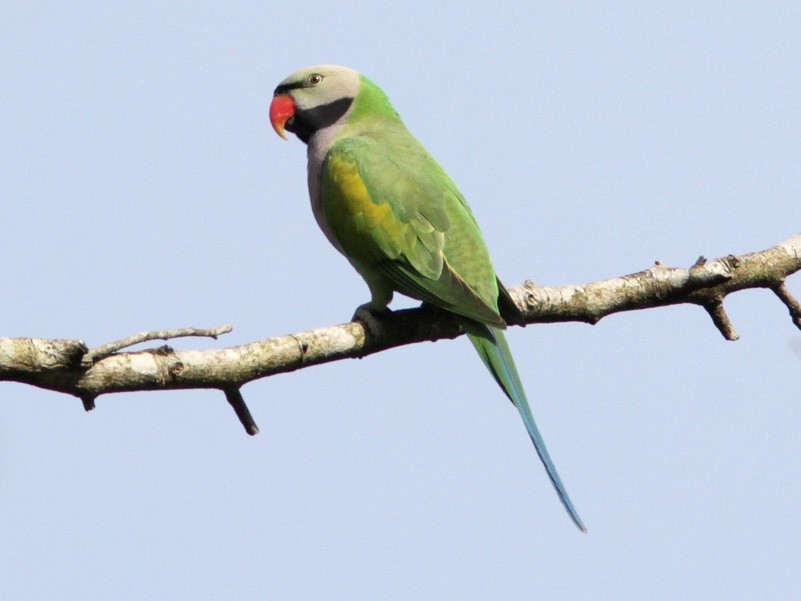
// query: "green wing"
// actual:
[[399, 218]]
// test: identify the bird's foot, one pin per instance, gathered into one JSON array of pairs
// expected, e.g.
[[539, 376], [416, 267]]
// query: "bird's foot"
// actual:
[[370, 317]]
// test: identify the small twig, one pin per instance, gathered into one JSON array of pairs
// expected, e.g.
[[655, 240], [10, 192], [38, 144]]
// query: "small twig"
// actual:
[[234, 397], [101, 352], [721, 320], [88, 401], [790, 302]]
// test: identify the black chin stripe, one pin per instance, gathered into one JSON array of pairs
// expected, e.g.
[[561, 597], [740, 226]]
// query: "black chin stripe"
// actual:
[[305, 123]]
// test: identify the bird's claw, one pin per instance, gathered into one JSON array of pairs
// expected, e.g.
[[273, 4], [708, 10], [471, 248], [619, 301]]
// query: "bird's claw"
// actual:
[[371, 318]]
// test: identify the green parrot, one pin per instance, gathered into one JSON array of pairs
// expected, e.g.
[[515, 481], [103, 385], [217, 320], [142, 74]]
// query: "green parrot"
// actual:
[[386, 204]]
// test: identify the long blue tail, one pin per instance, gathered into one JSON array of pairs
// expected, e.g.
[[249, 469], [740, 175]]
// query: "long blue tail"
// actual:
[[494, 352]]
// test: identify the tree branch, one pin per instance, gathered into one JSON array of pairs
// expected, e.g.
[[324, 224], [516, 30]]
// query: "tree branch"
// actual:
[[104, 351], [68, 366]]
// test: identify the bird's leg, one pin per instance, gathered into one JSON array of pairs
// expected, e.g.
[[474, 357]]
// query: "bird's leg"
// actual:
[[369, 313], [370, 317]]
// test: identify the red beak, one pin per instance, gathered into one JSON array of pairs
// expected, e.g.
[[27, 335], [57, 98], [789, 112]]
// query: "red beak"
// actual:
[[281, 109]]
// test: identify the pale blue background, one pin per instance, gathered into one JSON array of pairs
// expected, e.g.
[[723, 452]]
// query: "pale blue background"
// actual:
[[142, 188]]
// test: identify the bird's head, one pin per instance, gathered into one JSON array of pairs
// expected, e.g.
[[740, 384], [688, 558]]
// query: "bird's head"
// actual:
[[312, 99]]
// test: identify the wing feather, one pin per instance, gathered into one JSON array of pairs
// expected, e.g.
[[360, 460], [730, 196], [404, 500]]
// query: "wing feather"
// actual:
[[396, 213]]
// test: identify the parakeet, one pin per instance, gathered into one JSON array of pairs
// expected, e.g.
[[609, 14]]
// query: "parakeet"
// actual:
[[386, 204]]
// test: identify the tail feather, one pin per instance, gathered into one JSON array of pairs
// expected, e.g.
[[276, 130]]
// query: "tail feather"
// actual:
[[494, 351]]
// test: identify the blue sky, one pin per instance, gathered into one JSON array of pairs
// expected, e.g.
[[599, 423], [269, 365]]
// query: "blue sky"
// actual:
[[143, 188]]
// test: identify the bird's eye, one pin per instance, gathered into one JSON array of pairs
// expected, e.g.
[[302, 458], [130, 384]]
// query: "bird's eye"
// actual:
[[314, 79]]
